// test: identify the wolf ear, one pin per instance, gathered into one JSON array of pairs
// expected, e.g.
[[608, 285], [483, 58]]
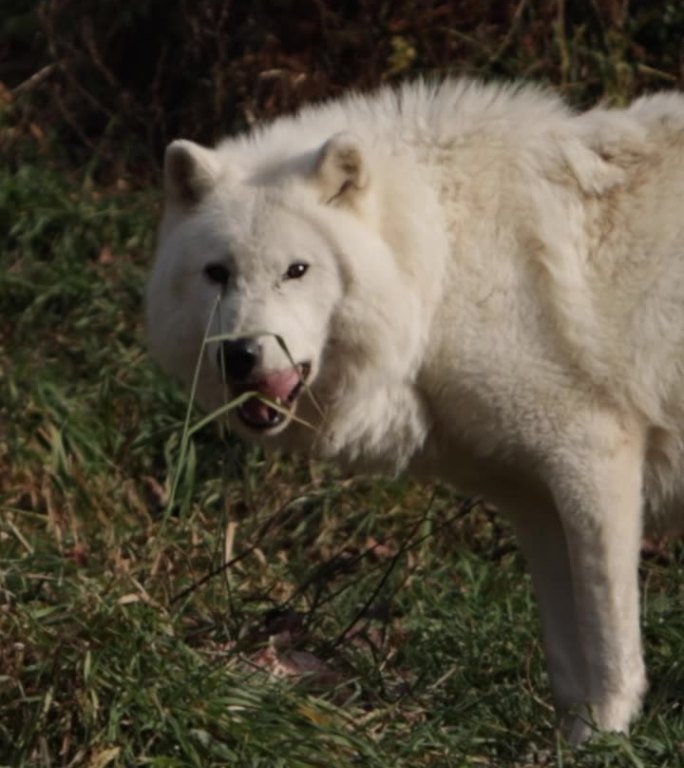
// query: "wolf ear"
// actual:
[[341, 170], [190, 171]]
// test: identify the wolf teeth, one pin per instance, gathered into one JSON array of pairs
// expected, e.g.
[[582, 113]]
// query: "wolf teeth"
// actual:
[[295, 392]]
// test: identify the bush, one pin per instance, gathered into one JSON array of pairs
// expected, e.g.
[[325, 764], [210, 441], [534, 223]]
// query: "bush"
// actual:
[[115, 82]]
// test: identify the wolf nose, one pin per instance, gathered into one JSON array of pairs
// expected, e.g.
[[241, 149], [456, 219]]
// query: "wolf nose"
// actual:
[[239, 357]]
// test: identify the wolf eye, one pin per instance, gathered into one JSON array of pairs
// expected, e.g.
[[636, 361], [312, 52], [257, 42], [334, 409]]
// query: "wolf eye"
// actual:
[[296, 270], [217, 273]]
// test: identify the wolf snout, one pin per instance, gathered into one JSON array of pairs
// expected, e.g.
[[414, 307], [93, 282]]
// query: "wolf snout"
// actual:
[[238, 358]]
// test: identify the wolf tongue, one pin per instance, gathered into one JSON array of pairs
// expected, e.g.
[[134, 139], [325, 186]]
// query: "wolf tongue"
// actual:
[[279, 384], [278, 387]]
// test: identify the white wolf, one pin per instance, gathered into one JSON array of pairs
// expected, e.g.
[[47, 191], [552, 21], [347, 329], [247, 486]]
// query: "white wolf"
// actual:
[[472, 283]]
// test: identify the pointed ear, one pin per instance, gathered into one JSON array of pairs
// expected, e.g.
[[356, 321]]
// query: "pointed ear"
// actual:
[[341, 169], [190, 171]]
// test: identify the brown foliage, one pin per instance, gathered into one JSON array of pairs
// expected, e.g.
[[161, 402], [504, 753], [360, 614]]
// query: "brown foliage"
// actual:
[[121, 79]]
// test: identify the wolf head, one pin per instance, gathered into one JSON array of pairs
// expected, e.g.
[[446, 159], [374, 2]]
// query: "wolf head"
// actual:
[[273, 275]]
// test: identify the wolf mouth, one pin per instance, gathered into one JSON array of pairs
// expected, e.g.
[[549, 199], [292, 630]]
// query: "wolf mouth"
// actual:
[[274, 399]]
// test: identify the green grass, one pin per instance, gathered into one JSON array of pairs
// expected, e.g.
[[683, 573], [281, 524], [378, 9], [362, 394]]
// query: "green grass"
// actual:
[[124, 638]]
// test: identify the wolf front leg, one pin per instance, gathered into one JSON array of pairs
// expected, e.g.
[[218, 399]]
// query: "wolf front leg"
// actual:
[[597, 485]]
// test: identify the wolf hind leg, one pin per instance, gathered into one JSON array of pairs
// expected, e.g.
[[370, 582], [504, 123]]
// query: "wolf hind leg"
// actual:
[[542, 540]]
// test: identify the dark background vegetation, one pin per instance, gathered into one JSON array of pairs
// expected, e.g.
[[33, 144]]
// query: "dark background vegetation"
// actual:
[[112, 82], [269, 613]]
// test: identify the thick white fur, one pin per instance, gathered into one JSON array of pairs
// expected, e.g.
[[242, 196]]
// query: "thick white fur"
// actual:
[[495, 298]]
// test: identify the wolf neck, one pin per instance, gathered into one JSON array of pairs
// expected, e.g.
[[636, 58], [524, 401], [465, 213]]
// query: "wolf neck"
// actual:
[[376, 419], [378, 429]]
